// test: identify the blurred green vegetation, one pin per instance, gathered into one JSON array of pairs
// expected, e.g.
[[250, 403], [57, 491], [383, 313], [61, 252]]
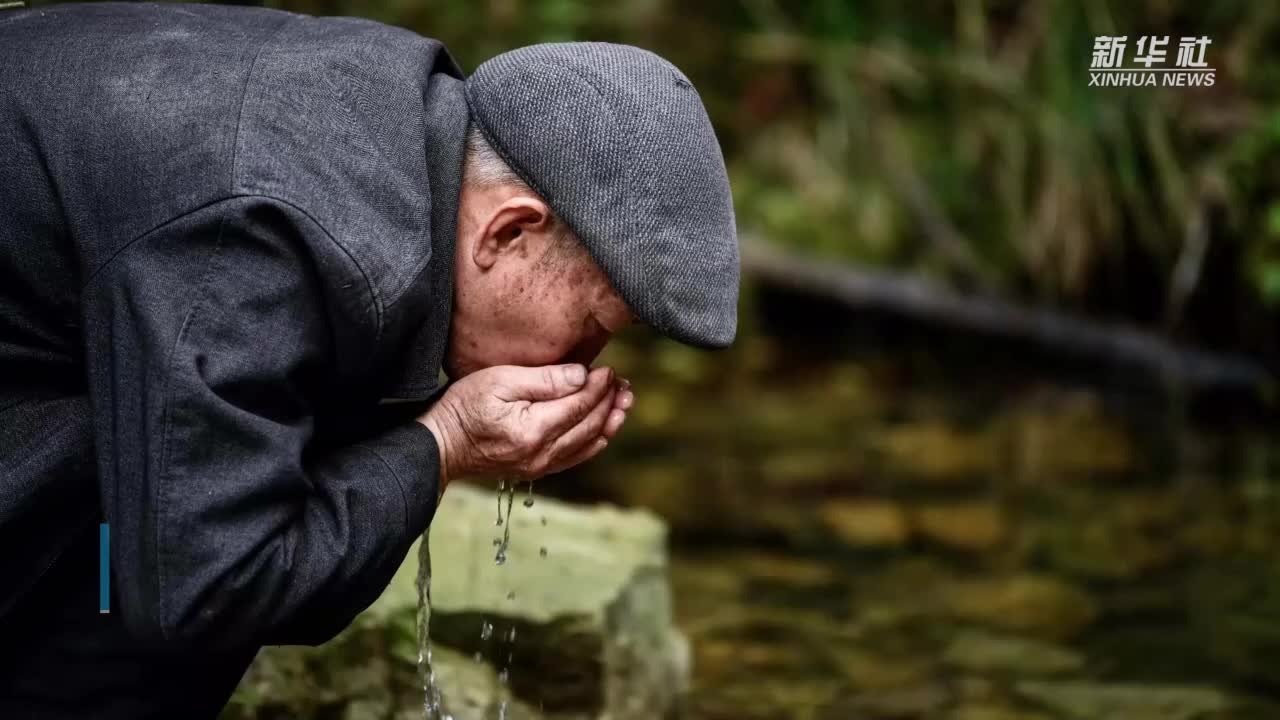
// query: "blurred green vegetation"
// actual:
[[962, 140]]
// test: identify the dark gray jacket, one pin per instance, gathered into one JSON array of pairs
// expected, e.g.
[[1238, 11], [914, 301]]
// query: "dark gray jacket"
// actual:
[[225, 235]]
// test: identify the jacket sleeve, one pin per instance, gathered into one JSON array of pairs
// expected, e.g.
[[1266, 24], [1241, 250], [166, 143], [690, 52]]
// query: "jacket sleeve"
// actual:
[[209, 343]]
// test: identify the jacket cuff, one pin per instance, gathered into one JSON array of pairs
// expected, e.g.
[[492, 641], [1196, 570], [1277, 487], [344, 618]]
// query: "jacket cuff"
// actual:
[[410, 452]]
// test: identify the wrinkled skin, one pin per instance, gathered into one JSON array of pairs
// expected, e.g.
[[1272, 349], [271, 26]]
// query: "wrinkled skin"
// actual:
[[531, 311]]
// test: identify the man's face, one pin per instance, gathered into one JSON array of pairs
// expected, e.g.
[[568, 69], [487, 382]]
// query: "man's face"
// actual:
[[525, 293]]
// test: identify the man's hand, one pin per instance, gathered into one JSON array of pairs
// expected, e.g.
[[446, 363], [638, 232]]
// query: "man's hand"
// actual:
[[526, 421]]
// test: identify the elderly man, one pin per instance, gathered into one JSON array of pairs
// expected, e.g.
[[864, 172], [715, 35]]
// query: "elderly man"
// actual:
[[238, 247]]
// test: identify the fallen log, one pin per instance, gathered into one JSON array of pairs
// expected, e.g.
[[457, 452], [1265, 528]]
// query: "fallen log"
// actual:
[[1051, 330]]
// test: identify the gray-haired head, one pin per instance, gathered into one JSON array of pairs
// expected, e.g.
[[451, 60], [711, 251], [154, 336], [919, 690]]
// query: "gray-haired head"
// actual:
[[616, 140]]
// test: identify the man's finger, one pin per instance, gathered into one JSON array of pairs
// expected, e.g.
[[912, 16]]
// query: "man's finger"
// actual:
[[583, 433], [614, 422], [537, 384], [554, 417], [591, 450], [623, 399]]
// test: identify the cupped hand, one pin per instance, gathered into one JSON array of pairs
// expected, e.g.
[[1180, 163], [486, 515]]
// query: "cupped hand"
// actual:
[[526, 422]]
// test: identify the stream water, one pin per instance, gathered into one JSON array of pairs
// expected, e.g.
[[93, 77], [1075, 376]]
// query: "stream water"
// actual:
[[862, 539], [847, 544], [434, 703], [911, 536], [854, 541]]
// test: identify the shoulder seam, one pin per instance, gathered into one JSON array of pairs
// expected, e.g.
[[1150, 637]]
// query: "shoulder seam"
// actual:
[[244, 93], [364, 275]]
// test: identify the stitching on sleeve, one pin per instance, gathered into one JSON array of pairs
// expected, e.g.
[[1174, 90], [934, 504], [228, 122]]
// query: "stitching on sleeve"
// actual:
[[162, 470], [404, 498], [199, 293]]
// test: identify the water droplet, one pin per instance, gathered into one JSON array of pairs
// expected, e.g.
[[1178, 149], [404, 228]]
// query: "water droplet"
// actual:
[[501, 557], [486, 630], [502, 485], [478, 657], [528, 502], [544, 519], [433, 700], [511, 634], [511, 595], [542, 551]]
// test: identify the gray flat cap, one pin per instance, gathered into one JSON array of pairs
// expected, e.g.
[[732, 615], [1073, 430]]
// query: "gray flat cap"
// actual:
[[616, 140]]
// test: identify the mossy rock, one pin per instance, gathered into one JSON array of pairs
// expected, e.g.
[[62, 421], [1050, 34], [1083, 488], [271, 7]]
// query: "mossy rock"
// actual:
[[1099, 701], [592, 619]]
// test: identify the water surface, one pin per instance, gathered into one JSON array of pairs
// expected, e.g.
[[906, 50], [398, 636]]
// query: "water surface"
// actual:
[[852, 539]]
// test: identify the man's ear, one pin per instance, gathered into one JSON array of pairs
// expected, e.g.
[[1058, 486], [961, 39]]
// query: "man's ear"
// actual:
[[509, 230]]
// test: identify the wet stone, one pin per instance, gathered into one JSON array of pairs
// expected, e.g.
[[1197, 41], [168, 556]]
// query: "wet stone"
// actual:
[[1038, 604], [1074, 440], [982, 651], [918, 701], [594, 617], [988, 711], [592, 624], [871, 671], [804, 468], [966, 526], [1099, 701], [866, 523], [786, 569], [936, 453]]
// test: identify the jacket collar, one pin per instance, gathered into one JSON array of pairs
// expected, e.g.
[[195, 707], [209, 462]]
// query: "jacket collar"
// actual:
[[418, 351]]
